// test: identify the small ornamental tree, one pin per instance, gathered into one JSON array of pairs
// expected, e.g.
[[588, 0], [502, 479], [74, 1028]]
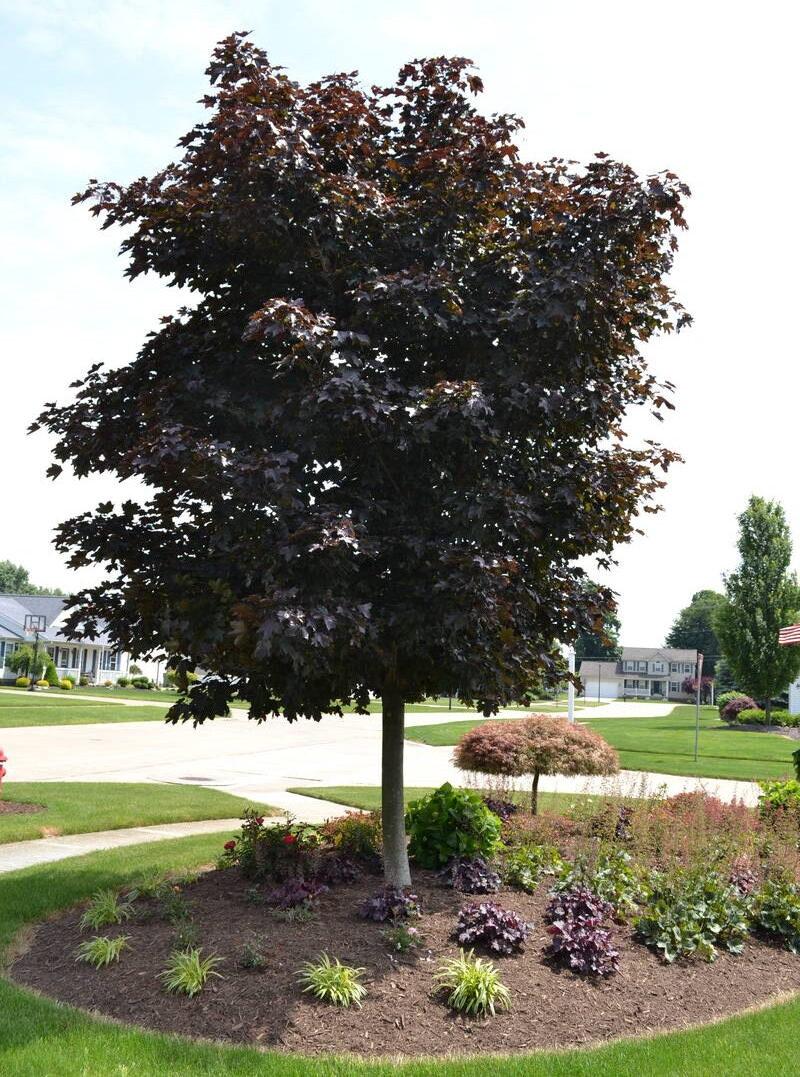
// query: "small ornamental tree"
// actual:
[[373, 450], [22, 662], [539, 744]]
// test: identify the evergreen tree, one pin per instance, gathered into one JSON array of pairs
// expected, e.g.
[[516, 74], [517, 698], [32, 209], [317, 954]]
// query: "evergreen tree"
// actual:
[[762, 597], [693, 628]]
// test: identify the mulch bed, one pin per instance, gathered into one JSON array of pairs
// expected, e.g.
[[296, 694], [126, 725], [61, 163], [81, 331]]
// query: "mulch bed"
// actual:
[[10, 807], [401, 1015]]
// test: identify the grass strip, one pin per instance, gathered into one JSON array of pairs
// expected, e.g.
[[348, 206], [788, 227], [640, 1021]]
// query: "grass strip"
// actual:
[[39, 1038], [83, 807], [368, 797]]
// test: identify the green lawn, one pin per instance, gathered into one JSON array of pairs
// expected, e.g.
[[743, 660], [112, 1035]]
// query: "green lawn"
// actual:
[[51, 708], [368, 797], [666, 745], [39, 1038], [81, 807]]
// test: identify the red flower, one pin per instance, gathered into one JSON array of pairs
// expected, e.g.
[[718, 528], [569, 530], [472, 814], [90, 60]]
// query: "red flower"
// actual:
[[229, 845], [260, 820], [289, 839]]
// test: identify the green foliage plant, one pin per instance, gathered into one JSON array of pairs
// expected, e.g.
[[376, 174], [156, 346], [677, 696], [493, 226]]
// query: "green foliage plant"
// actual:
[[473, 985], [777, 910], [24, 662], [693, 628], [523, 866], [22, 682], [451, 824], [187, 971], [253, 954], [691, 913], [332, 982], [274, 852], [779, 797], [613, 875], [66, 684], [402, 938], [356, 834], [102, 950], [51, 674], [106, 908], [371, 314], [724, 698]]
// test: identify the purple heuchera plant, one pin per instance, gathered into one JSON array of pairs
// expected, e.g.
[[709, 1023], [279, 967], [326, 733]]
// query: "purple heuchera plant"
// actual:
[[576, 918], [471, 876], [296, 892], [489, 924], [391, 903], [503, 809]]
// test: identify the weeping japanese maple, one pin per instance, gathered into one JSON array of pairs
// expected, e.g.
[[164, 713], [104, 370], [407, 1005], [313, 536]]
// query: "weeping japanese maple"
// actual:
[[388, 426]]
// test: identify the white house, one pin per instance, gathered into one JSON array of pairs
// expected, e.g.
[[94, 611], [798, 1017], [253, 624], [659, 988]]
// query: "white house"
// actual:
[[96, 659], [641, 672]]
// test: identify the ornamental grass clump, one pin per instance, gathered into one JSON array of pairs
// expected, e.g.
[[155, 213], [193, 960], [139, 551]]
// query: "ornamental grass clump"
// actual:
[[473, 985], [187, 971], [536, 745], [106, 908], [102, 950], [332, 982], [490, 925]]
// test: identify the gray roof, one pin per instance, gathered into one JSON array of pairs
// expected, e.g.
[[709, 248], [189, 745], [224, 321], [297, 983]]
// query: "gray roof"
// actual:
[[590, 671], [14, 608], [671, 654]]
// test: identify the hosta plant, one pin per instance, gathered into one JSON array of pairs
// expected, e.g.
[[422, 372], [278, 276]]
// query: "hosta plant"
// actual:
[[106, 908], [489, 924], [187, 971], [473, 985], [471, 876], [332, 982], [102, 950], [392, 903]]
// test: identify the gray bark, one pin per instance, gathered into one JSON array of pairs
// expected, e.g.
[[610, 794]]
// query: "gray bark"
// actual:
[[395, 854]]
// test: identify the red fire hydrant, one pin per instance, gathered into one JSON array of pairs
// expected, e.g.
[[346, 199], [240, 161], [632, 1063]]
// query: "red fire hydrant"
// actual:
[[3, 759]]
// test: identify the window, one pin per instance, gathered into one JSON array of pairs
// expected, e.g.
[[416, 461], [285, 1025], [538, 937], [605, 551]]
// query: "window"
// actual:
[[629, 667], [673, 667], [636, 685], [109, 660], [674, 686], [657, 667], [641, 667], [7, 648]]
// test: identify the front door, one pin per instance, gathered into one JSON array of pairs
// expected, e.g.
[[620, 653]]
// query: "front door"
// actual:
[[657, 688]]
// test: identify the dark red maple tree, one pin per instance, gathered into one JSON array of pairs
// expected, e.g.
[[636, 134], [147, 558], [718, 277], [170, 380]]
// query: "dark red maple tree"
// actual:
[[388, 426]]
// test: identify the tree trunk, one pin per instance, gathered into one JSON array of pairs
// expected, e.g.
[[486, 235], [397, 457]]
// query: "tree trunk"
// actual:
[[535, 792], [395, 854]]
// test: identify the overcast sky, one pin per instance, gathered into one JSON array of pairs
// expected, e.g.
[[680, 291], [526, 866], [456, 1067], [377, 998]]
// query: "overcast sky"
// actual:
[[105, 89]]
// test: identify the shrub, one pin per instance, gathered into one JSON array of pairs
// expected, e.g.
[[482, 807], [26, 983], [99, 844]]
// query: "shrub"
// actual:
[[471, 876], [134, 670], [450, 823], [141, 682], [473, 985], [22, 682], [576, 923], [692, 913], [51, 674], [186, 971], [273, 853], [489, 924], [66, 684], [730, 711], [779, 797], [725, 698], [102, 950], [122, 682], [71, 678], [106, 908], [391, 903], [776, 909], [536, 745], [83, 681], [42, 684], [356, 834], [333, 982], [756, 716], [524, 866]]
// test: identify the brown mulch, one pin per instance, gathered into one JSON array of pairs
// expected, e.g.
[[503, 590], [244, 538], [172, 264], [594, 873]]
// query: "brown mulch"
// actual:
[[11, 807], [552, 1007]]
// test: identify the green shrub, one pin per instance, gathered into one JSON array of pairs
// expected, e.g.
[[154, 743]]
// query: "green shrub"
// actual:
[[122, 682], [102, 950], [451, 824], [69, 677], [725, 698], [83, 681], [357, 834], [779, 795], [757, 716], [186, 971], [333, 982], [22, 682], [141, 682], [66, 684], [473, 985], [51, 675], [692, 913]]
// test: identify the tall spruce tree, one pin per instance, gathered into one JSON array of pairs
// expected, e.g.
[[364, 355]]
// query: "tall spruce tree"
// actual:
[[762, 597], [389, 425]]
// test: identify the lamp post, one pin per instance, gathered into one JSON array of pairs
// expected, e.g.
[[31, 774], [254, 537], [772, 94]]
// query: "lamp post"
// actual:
[[34, 623]]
